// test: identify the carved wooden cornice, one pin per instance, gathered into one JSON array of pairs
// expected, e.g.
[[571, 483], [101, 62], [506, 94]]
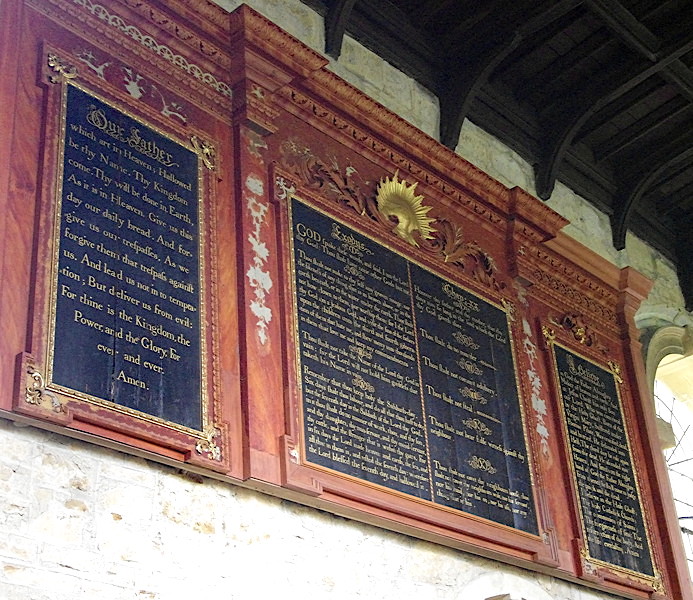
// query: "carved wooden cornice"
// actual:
[[405, 137], [446, 244], [212, 19], [342, 98], [277, 45], [456, 194], [104, 28], [266, 59], [537, 221], [334, 105], [558, 282]]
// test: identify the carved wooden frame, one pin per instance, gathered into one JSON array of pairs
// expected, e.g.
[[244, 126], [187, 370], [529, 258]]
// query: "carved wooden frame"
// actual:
[[247, 84], [467, 531], [572, 333], [77, 60]]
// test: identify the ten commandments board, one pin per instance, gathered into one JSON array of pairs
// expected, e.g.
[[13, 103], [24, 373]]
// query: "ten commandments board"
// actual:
[[408, 380]]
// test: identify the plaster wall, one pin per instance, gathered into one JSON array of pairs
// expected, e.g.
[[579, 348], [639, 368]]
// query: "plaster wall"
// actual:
[[79, 521]]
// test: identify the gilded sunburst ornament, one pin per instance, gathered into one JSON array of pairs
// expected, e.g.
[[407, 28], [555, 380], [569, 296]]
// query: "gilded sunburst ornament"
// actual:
[[399, 203]]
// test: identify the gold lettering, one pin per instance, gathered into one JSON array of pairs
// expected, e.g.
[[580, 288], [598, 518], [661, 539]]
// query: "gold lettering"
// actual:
[[601, 458]]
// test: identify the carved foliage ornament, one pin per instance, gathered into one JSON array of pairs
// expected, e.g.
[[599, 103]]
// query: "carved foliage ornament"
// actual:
[[395, 207], [207, 445], [205, 151], [62, 69], [574, 323], [38, 395]]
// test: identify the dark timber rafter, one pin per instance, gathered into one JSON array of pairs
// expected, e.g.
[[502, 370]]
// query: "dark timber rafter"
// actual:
[[477, 65], [631, 194], [616, 107], [628, 28], [587, 104], [335, 25], [544, 79], [675, 108], [685, 272], [637, 36], [598, 92], [679, 200], [459, 91]]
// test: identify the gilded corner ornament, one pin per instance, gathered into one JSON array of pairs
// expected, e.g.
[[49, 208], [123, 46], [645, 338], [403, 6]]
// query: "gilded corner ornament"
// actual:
[[548, 333], [588, 566], [398, 203], [207, 445], [206, 151], [615, 369], [38, 395], [61, 69], [658, 583]]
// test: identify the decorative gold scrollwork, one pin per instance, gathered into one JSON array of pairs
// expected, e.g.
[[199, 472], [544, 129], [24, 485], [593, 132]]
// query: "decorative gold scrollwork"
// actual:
[[394, 206], [482, 464], [509, 309], [38, 395], [548, 333], [574, 323], [658, 583], [206, 151], [207, 445], [61, 69], [616, 370]]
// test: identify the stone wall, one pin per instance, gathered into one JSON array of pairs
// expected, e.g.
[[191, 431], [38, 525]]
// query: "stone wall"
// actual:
[[82, 522], [79, 521]]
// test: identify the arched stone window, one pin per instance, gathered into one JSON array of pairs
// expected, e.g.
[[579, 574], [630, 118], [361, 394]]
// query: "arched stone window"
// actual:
[[670, 371]]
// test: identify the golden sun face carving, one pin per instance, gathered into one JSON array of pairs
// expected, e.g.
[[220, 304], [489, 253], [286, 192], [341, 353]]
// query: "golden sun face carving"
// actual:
[[398, 202]]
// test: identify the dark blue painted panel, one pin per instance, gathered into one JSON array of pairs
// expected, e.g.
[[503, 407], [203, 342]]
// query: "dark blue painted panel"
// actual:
[[127, 307], [408, 381], [606, 485], [475, 430]]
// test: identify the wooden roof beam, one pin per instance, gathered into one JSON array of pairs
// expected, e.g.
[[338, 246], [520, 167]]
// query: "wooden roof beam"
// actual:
[[490, 19], [427, 11], [681, 76], [557, 18], [585, 105], [683, 244], [631, 31], [457, 94], [681, 199], [664, 150], [685, 269], [335, 26], [668, 111], [616, 107], [631, 193], [550, 77], [636, 35]]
